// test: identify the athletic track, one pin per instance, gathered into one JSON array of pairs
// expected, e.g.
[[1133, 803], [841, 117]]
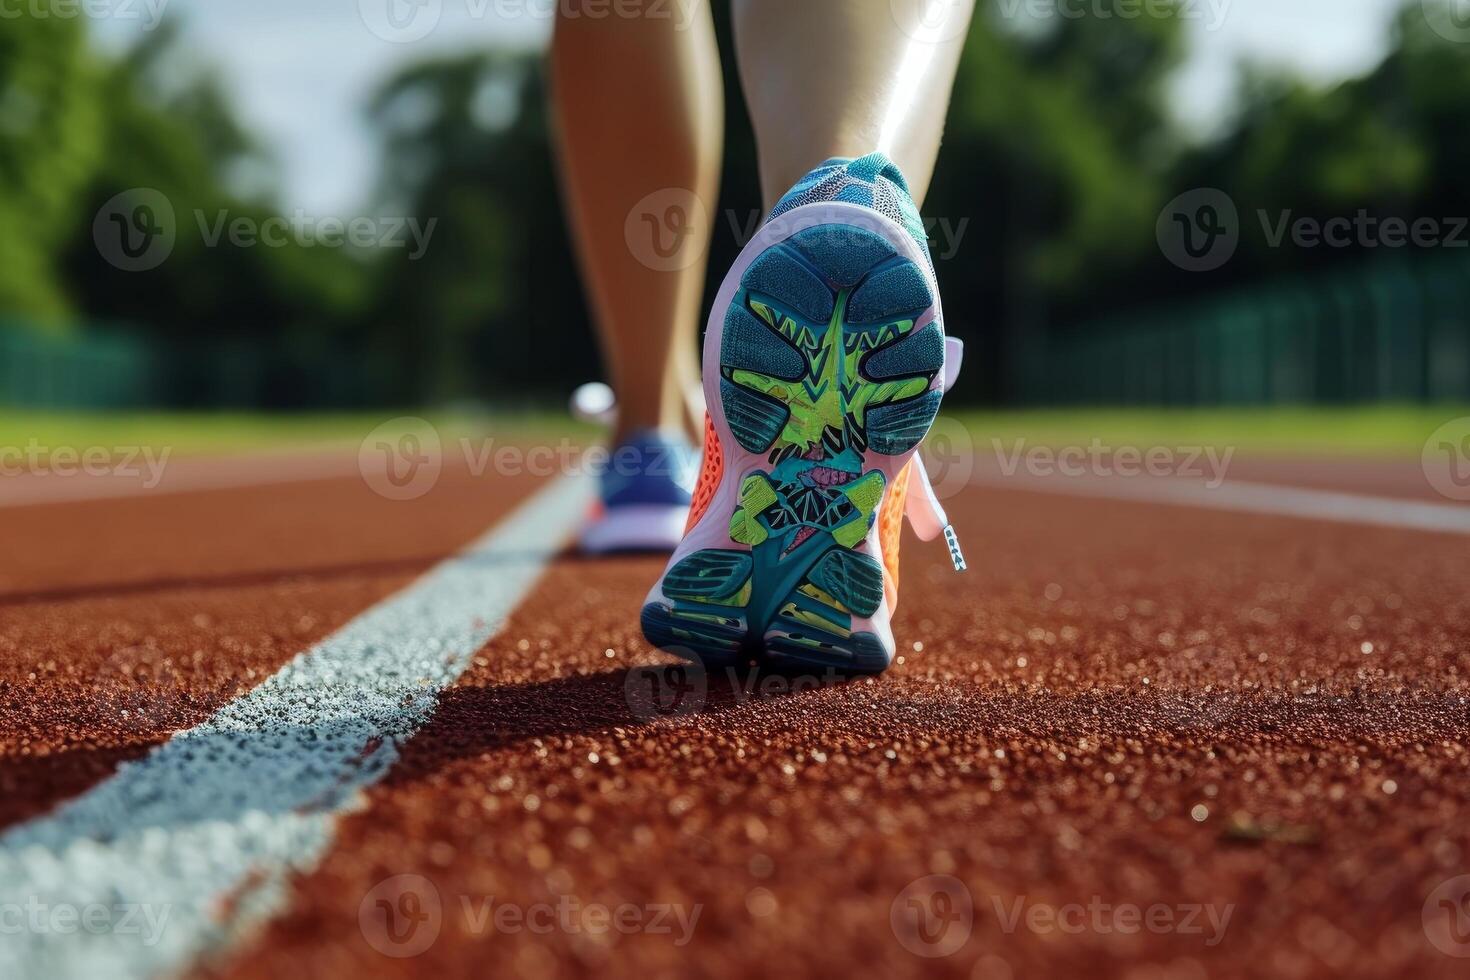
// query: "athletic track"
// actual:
[[254, 705]]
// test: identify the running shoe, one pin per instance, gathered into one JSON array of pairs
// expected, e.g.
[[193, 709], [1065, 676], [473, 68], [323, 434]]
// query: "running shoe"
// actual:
[[825, 361], [646, 486]]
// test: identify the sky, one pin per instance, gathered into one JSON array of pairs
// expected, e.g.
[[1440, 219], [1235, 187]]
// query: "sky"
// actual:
[[301, 71]]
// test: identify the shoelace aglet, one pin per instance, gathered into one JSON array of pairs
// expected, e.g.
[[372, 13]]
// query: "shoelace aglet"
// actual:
[[955, 554]]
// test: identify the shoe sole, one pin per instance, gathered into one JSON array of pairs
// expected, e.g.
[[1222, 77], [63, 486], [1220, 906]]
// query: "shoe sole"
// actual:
[[822, 369]]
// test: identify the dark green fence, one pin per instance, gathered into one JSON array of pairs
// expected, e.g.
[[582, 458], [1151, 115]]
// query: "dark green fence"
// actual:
[[1391, 331], [104, 370], [112, 368]]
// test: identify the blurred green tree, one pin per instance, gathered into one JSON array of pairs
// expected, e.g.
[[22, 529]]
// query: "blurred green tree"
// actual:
[[265, 318], [1055, 157], [493, 307], [1059, 154], [49, 146]]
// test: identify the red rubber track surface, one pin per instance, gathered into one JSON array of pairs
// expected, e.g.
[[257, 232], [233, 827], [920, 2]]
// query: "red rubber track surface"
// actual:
[[1118, 705], [1102, 671], [122, 621]]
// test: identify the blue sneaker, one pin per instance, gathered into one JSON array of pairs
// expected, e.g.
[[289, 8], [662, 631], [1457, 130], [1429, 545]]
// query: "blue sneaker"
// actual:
[[646, 487], [825, 361]]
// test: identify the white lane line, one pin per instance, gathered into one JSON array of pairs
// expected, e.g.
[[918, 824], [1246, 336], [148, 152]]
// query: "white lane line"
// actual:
[[1256, 498], [184, 849]]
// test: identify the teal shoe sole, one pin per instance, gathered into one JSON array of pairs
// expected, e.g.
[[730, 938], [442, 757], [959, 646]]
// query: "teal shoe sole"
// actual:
[[826, 380]]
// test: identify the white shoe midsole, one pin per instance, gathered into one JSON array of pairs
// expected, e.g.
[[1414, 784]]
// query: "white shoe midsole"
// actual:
[[652, 527]]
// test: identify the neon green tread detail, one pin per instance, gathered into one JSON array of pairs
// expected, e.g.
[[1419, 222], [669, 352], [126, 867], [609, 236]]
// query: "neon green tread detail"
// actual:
[[790, 611], [865, 495], [832, 391], [821, 595], [756, 494], [740, 599]]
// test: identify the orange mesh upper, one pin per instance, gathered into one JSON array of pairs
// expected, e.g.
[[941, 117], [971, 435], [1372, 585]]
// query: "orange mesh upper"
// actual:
[[710, 471], [890, 531]]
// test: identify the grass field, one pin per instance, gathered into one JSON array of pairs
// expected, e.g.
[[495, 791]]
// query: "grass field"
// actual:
[[1380, 430], [1396, 430]]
